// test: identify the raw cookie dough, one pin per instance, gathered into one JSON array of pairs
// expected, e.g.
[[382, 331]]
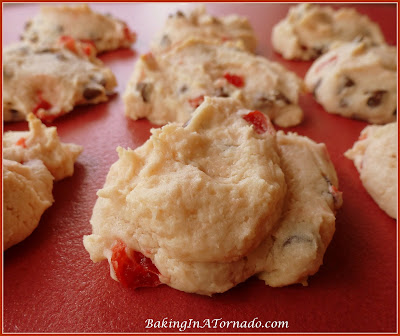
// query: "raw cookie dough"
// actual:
[[200, 24], [169, 86], [27, 194], [50, 82], [375, 157], [357, 80], [309, 30], [42, 143], [199, 206], [79, 22], [307, 224]]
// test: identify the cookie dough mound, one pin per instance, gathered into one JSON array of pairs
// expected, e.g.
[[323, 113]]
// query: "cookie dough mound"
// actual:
[[309, 30], [50, 82], [357, 80], [27, 194], [200, 24], [42, 143], [169, 86], [307, 224], [209, 192], [375, 157], [79, 22]]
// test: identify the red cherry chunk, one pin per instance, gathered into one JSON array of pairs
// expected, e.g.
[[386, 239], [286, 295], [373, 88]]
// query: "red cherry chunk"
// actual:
[[259, 121], [132, 268], [234, 80]]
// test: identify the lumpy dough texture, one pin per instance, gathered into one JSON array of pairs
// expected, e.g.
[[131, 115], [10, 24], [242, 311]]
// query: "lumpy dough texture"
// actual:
[[80, 23], [168, 86], [199, 23], [27, 194], [375, 157], [207, 202], [357, 80], [170, 193], [49, 82], [309, 30], [42, 143]]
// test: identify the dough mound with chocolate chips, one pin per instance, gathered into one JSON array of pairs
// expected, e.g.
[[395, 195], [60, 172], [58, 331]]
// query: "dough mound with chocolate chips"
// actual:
[[309, 30], [199, 23], [375, 157], [213, 202], [357, 80], [50, 82], [27, 194], [104, 32], [169, 86]]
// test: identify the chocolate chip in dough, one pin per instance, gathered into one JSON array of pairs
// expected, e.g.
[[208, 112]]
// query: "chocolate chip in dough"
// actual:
[[145, 90], [376, 98], [92, 92]]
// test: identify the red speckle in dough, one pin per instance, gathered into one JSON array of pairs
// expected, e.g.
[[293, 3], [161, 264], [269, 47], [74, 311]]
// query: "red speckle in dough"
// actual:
[[21, 142], [325, 63], [128, 35], [195, 102], [260, 122], [234, 80], [68, 42], [132, 268]]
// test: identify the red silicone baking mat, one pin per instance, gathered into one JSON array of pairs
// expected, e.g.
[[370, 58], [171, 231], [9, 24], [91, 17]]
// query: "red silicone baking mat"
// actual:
[[51, 285]]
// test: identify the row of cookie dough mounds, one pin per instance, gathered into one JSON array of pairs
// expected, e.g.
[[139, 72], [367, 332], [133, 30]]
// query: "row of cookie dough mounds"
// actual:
[[199, 23], [50, 82], [357, 80], [32, 160], [80, 23], [309, 30], [375, 157], [204, 206], [168, 86]]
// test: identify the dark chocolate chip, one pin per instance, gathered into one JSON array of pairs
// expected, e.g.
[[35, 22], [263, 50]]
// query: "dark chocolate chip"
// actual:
[[92, 92], [183, 88], [376, 98], [165, 41], [317, 51], [296, 239], [317, 85], [145, 90], [220, 92], [348, 82]]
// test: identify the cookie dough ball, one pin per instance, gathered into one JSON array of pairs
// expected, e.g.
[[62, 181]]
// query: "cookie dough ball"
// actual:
[[309, 30], [200, 24], [27, 191], [41, 143], [50, 82], [375, 157], [307, 224], [80, 23], [169, 86], [357, 80], [209, 192]]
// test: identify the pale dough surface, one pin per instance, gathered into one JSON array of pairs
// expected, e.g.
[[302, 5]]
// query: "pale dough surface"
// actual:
[[199, 23], [80, 23], [27, 194], [375, 157], [168, 86], [309, 30], [212, 204], [357, 80], [42, 143], [51, 81]]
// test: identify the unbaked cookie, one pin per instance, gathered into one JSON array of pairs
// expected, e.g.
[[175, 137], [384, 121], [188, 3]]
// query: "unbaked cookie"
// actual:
[[198, 207], [169, 86], [53, 23], [307, 224], [309, 30], [375, 157], [200, 24], [27, 191], [50, 82], [42, 143], [357, 80]]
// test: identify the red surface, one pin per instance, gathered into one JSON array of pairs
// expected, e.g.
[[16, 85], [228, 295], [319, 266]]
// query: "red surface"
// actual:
[[51, 285]]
